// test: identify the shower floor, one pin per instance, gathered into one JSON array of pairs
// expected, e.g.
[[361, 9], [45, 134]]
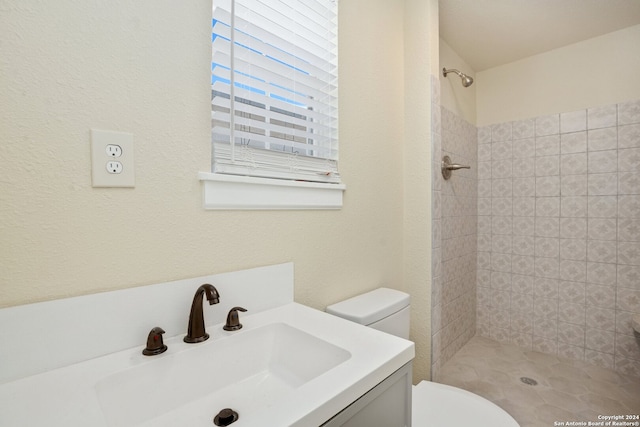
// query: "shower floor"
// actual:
[[567, 390]]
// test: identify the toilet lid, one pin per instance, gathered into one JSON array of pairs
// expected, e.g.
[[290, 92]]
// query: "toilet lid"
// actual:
[[437, 404]]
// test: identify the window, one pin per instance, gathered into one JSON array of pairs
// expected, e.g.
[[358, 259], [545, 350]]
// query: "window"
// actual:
[[274, 91]]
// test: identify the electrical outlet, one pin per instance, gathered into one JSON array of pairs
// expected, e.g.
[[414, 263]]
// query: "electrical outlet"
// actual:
[[114, 150], [114, 167], [112, 159]]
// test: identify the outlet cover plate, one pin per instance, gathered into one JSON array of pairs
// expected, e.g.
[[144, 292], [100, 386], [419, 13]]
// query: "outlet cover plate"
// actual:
[[100, 176]]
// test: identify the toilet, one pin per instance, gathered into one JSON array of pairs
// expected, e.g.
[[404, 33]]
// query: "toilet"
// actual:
[[433, 404]]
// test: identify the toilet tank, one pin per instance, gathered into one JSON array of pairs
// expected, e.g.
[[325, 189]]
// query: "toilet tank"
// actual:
[[384, 309]]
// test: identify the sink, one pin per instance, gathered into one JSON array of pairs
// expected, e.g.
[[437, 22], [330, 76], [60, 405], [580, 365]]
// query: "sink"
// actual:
[[248, 370]]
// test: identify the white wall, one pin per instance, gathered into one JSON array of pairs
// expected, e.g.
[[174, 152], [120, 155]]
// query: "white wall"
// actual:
[[143, 67], [453, 96], [599, 71]]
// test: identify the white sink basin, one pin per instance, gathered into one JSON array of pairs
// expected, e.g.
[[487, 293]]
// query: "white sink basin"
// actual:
[[289, 366], [247, 372]]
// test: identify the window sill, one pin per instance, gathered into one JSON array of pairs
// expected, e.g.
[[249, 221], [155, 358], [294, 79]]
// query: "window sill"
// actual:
[[232, 192]]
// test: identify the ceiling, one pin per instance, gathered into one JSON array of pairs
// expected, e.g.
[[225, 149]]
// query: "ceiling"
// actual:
[[488, 33]]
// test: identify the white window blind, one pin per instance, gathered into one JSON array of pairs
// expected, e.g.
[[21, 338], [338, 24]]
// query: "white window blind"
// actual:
[[274, 89]]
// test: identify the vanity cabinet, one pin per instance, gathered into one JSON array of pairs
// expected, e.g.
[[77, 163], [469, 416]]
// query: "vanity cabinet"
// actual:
[[386, 405]]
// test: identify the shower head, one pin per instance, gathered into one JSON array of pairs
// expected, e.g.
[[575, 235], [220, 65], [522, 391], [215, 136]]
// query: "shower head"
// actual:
[[466, 80]]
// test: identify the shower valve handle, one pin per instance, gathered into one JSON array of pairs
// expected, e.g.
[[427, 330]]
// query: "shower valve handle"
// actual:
[[447, 167]]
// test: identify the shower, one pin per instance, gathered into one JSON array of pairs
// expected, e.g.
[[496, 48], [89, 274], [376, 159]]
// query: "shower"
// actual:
[[466, 80]]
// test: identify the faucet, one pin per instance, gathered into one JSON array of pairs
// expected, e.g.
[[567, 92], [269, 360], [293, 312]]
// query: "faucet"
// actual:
[[196, 332]]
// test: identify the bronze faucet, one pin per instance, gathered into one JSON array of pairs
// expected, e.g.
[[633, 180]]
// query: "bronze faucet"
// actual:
[[196, 332]]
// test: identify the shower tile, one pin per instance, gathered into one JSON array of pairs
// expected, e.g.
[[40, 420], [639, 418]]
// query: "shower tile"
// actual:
[[524, 207], [602, 139], [547, 145], [522, 264], [484, 188], [571, 334], [601, 251], [547, 247], [483, 280], [523, 167], [523, 245], [484, 134], [575, 207], [544, 287], [502, 225], [547, 227], [501, 243], [547, 125], [602, 229], [501, 206], [573, 164], [573, 249], [524, 187], [523, 129], [573, 185], [570, 352], [603, 161], [601, 273], [572, 292], [628, 183], [501, 132], [629, 253], [627, 366], [602, 184], [573, 270], [547, 165], [484, 170], [545, 309], [545, 345], [501, 168], [629, 160], [547, 267], [484, 206], [600, 296], [601, 318], [548, 206], [573, 142], [484, 224], [623, 322], [501, 150], [522, 284], [629, 112], [629, 136], [524, 148], [602, 206], [484, 152], [573, 228], [501, 262], [547, 186], [628, 276], [502, 187], [628, 300], [598, 358], [573, 121], [600, 340], [629, 206], [573, 314], [602, 117]]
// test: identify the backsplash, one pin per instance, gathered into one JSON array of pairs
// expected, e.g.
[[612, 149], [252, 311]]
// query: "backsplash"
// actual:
[[559, 234]]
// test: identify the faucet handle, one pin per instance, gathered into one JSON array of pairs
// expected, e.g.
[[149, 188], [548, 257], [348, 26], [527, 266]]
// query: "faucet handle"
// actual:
[[233, 319], [155, 345]]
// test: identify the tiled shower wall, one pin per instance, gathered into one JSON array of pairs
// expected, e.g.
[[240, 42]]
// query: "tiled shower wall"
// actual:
[[559, 234], [454, 235]]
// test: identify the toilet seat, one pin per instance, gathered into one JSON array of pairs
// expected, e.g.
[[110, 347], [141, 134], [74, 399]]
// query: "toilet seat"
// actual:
[[437, 404]]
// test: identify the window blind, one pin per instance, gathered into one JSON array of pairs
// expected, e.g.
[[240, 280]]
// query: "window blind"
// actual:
[[274, 89]]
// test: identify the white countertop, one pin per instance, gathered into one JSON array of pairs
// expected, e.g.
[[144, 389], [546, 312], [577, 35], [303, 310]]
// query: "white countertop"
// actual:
[[66, 397]]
